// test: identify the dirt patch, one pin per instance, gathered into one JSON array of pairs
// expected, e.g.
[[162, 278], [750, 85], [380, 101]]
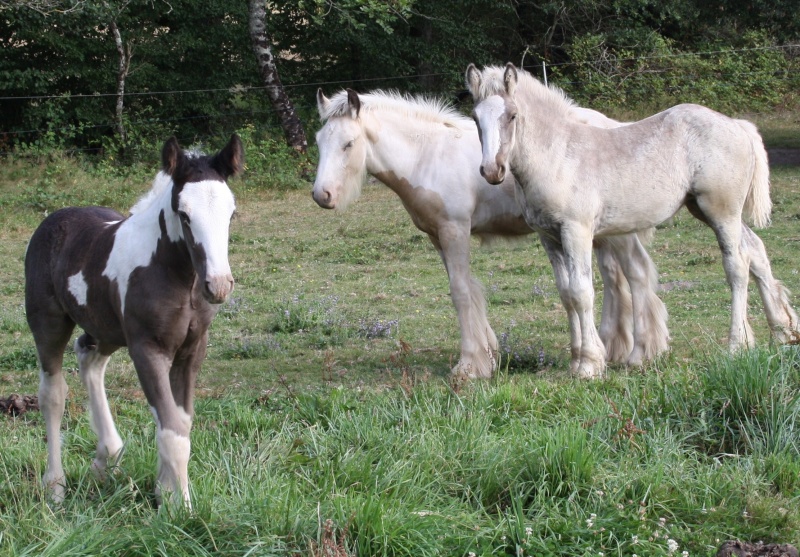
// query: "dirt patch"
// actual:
[[745, 549], [677, 285], [16, 405], [784, 157]]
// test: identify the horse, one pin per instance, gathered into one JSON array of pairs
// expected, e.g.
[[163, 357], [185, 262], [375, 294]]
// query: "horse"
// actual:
[[581, 183], [421, 149], [152, 282]]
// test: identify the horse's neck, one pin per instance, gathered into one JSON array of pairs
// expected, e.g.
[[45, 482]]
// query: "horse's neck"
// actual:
[[544, 129], [394, 145], [149, 222]]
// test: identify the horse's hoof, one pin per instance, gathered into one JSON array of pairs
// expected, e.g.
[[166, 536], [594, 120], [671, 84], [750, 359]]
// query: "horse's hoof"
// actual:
[[586, 371], [55, 490], [470, 371]]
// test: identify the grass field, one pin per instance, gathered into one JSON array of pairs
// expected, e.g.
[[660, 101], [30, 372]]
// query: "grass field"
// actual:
[[327, 424]]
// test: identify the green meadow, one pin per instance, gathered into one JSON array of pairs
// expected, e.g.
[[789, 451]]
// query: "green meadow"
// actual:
[[327, 424]]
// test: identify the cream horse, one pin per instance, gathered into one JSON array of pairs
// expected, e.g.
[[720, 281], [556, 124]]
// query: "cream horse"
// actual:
[[582, 183], [423, 150]]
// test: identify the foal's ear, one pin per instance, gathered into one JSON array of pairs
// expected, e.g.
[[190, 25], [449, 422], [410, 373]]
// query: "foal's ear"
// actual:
[[171, 153], [322, 102], [473, 80], [230, 160], [354, 102], [510, 78]]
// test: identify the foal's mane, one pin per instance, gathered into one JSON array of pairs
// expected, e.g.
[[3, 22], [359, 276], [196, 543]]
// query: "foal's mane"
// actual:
[[161, 183], [429, 109], [492, 83]]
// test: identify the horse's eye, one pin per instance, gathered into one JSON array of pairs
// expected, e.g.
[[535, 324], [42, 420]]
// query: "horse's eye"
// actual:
[[184, 218], [348, 145], [513, 117]]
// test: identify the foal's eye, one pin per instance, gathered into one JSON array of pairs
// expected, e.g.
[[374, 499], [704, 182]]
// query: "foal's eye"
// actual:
[[513, 117], [348, 145]]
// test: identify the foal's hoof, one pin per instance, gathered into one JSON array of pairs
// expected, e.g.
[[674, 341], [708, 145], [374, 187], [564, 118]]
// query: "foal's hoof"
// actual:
[[587, 371]]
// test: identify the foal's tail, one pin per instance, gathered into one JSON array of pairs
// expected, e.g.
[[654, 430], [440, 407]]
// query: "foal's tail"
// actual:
[[758, 203]]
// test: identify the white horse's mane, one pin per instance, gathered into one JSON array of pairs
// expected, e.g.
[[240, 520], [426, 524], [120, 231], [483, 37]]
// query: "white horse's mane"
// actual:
[[416, 107], [161, 183], [492, 83]]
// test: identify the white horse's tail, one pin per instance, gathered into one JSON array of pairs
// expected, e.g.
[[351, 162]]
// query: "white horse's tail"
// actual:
[[758, 203]]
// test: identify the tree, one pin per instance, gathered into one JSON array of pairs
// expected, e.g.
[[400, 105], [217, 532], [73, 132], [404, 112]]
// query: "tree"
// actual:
[[262, 47]]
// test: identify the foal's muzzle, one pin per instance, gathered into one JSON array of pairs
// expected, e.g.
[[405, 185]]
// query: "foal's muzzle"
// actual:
[[493, 173], [218, 289]]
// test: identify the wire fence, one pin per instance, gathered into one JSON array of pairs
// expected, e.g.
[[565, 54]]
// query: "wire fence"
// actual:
[[539, 68]]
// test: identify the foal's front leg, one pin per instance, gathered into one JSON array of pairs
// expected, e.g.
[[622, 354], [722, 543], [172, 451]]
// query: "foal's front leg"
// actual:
[[556, 256], [173, 423], [478, 341], [577, 245]]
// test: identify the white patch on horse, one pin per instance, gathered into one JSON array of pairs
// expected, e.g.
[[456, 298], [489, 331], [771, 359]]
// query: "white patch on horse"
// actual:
[[135, 243], [78, 287]]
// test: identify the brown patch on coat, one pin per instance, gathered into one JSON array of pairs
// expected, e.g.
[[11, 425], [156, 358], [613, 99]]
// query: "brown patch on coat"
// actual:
[[427, 209]]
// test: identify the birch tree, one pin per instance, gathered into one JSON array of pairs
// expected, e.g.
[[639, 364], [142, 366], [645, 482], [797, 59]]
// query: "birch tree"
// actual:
[[262, 47]]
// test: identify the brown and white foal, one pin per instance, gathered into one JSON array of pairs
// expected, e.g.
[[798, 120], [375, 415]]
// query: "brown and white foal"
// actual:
[[151, 282]]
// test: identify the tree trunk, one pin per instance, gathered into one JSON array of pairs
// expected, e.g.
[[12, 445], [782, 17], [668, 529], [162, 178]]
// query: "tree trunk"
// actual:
[[122, 73], [292, 127]]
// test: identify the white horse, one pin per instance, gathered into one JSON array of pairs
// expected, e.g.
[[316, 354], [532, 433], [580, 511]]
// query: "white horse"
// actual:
[[423, 150], [582, 182]]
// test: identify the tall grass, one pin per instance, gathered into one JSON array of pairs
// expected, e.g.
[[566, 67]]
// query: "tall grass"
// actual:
[[523, 465]]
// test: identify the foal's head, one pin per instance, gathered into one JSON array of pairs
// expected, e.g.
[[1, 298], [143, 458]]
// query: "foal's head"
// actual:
[[204, 205], [495, 113], [342, 150]]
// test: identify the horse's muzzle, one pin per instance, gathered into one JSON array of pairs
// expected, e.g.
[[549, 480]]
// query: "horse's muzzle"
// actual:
[[323, 197], [493, 173], [218, 289]]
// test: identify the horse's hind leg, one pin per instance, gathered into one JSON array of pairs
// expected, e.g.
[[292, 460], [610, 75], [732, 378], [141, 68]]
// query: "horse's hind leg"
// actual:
[[478, 341], [92, 362], [649, 315], [736, 264], [616, 323], [51, 334], [781, 316]]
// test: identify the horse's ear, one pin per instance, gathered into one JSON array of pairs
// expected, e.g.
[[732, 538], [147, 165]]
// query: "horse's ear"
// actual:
[[230, 160], [354, 102], [170, 155], [473, 79], [510, 78], [323, 102]]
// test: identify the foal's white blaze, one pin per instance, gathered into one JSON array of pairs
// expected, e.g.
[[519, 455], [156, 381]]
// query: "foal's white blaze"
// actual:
[[78, 287], [488, 114], [209, 205]]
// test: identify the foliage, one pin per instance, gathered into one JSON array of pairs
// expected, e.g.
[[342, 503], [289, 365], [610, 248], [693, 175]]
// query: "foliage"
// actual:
[[656, 75], [193, 73]]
